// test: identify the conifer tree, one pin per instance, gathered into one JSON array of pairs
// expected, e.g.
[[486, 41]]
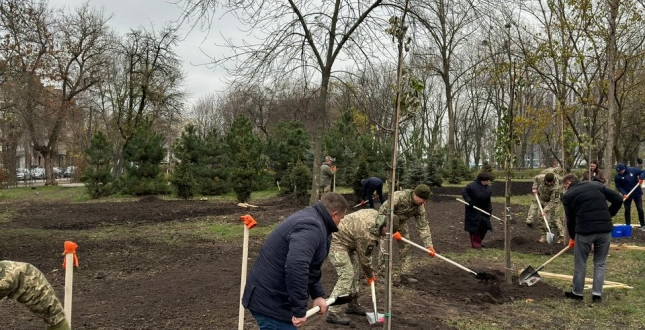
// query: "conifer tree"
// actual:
[[98, 174], [188, 151], [143, 155], [244, 151]]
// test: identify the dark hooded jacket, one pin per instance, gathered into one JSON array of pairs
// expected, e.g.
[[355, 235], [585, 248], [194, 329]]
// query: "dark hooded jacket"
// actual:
[[287, 271], [585, 205], [477, 194]]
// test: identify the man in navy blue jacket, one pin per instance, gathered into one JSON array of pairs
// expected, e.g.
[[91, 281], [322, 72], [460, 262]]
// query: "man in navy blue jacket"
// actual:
[[371, 185], [626, 179], [287, 271], [589, 225]]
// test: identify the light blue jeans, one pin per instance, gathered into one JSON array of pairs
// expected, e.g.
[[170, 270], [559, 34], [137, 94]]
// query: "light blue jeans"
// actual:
[[269, 323], [581, 251]]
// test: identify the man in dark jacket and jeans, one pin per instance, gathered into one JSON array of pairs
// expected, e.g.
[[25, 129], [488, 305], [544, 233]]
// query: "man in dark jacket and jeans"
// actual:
[[287, 271], [626, 179], [371, 185], [589, 223]]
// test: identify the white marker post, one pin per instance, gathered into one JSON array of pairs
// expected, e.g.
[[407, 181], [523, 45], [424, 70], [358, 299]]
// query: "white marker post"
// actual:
[[72, 260], [249, 223]]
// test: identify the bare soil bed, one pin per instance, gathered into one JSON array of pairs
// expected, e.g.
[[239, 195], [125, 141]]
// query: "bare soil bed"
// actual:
[[193, 283]]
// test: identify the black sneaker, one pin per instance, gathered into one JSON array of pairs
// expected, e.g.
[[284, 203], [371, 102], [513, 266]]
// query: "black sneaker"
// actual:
[[596, 299], [571, 295]]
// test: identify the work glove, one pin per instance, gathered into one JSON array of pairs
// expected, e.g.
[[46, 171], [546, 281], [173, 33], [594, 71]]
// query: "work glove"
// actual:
[[572, 243], [371, 280], [333, 168], [640, 181], [431, 251], [363, 202], [624, 197]]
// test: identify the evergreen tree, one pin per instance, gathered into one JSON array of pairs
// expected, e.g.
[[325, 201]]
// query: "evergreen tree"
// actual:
[[244, 152], [457, 171], [288, 144], [414, 174], [142, 157], [297, 180], [188, 151], [98, 174], [433, 175], [486, 167], [212, 174]]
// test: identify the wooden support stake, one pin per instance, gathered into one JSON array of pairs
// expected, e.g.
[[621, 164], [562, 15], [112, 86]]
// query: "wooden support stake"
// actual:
[[249, 223], [70, 260]]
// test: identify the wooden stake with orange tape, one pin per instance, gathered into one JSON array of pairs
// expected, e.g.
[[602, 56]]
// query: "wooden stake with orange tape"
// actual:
[[249, 223], [72, 260]]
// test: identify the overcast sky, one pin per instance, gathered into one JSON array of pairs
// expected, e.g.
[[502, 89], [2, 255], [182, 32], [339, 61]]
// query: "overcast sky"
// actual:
[[127, 14]]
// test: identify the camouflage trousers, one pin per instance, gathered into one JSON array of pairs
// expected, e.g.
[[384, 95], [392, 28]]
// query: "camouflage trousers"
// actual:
[[348, 270], [404, 253], [323, 190], [27, 285], [553, 213]]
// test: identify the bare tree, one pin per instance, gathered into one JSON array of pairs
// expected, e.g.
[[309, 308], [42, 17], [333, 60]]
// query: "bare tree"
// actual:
[[298, 37]]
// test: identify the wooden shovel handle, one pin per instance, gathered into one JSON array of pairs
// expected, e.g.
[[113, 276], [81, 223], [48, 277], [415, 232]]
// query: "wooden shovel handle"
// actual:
[[316, 309], [436, 254], [553, 258]]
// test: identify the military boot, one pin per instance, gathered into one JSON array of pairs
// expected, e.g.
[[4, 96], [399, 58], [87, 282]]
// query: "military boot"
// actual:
[[354, 308], [60, 326], [336, 319]]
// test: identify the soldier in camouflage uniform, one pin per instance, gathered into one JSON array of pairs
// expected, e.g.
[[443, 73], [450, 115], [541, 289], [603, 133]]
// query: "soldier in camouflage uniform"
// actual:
[[549, 190], [326, 176], [351, 248], [408, 204], [26, 284]]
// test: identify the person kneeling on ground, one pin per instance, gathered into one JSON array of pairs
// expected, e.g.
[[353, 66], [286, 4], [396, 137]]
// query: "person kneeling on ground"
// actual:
[[351, 248], [27, 285]]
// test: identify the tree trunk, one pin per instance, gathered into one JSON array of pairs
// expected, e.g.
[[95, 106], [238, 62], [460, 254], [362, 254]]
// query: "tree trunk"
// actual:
[[613, 115], [320, 116]]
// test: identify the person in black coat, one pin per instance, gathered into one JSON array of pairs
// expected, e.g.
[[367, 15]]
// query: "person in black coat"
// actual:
[[589, 224], [288, 269], [477, 193], [371, 185]]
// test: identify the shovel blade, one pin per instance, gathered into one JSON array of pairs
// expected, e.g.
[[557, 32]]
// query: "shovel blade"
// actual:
[[529, 276], [549, 238], [374, 318], [341, 300]]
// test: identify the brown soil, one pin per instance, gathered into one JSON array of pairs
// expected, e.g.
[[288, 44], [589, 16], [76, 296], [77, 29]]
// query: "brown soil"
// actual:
[[193, 283]]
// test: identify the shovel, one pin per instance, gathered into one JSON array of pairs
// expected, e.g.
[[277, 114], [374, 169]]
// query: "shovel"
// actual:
[[480, 210], [375, 317], [549, 235], [530, 276], [631, 191], [333, 301], [480, 276]]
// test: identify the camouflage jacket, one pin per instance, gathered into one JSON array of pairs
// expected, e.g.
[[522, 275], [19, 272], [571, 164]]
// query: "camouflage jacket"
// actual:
[[357, 232], [405, 208], [548, 194], [326, 174]]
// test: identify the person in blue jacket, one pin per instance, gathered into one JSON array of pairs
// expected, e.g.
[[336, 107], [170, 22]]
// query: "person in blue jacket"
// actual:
[[287, 271], [371, 185], [626, 179]]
